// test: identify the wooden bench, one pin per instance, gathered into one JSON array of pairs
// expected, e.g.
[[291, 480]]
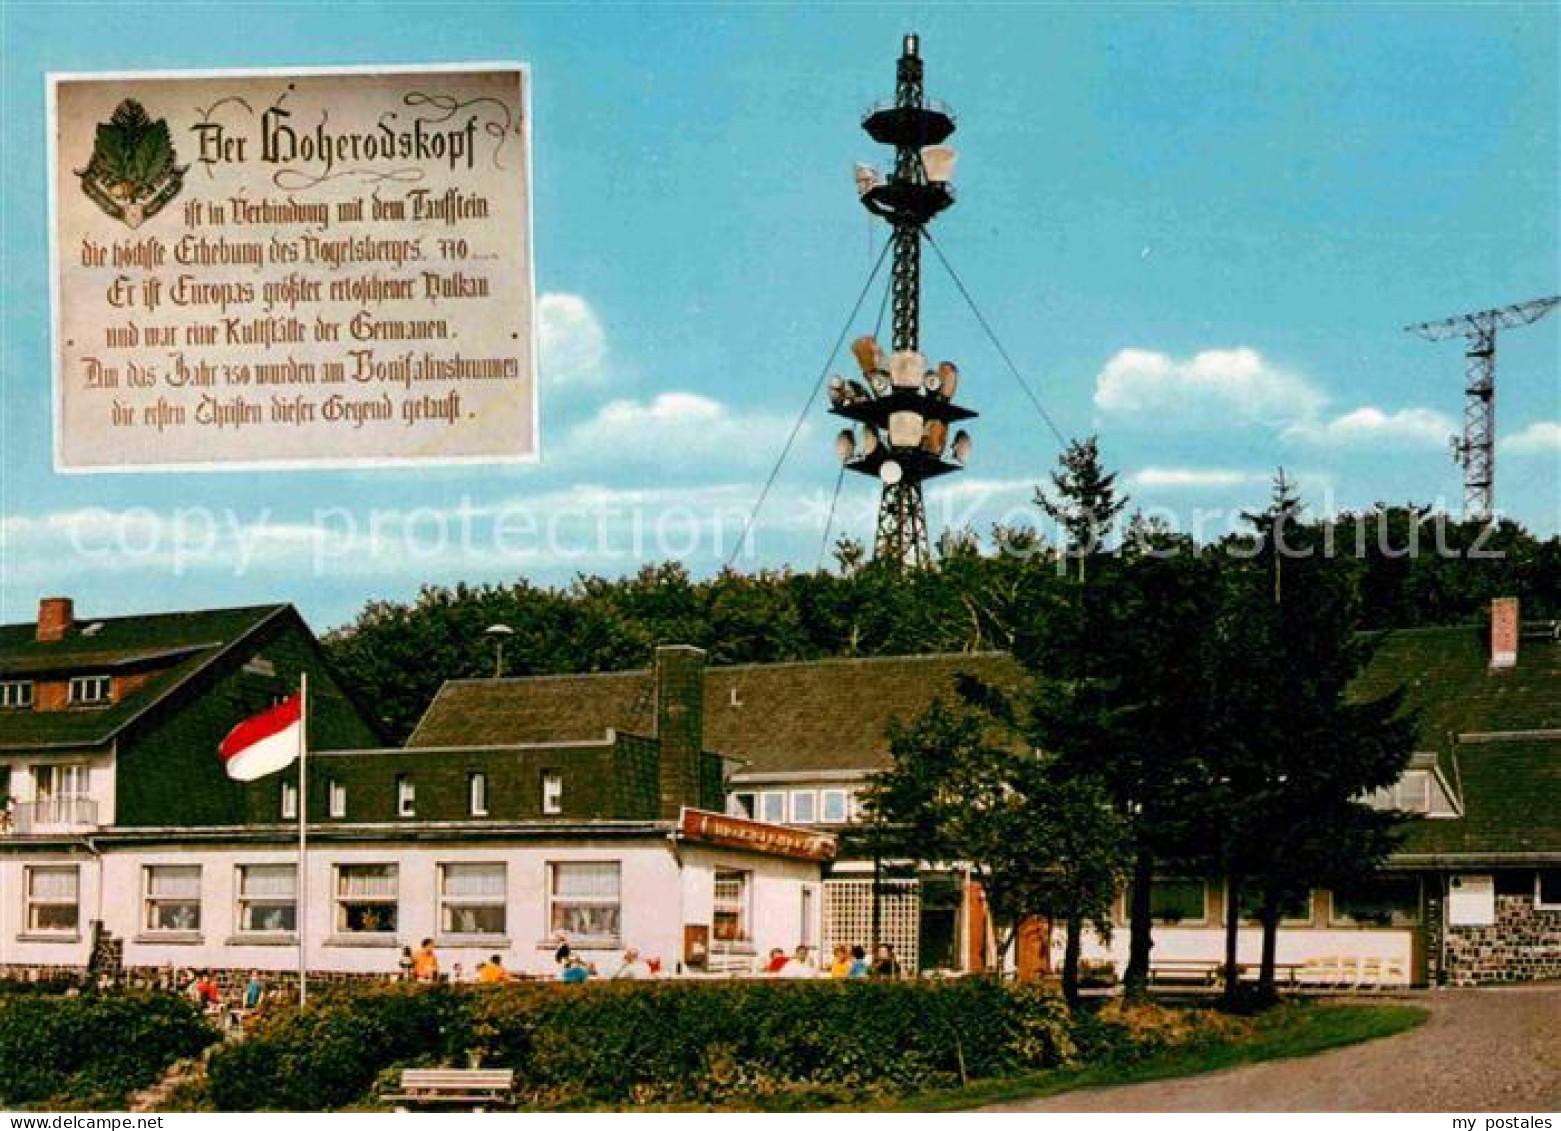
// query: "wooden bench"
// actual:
[[473, 1088], [1198, 971]]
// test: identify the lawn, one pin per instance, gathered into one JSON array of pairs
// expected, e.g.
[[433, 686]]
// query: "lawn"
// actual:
[[1289, 1031]]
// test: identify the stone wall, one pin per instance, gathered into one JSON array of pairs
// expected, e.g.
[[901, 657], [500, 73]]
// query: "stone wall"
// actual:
[[1523, 945], [231, 981]]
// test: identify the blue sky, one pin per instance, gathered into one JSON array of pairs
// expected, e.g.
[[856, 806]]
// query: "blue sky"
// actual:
[[1198, 230]]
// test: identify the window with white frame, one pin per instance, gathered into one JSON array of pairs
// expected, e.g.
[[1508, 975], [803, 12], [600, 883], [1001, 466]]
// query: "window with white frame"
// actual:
[[336, 794], [477, 794], [90, 690], [833, 806], [804, 806], [1547, 889], [366, 899], [172, 897], [584, 901], [16, 694], [733, 902], [406, 796], [60, 781], [53, 899], [267, 898], [772, 807], [61, 794], [742, 805], [552, 793], [289, 801], [471, 899]]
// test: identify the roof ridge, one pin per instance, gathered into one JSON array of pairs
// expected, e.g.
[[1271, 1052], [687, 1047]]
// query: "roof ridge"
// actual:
[[1422, 629], [984, 654], [270, 606], [988, 653], [491, 681]]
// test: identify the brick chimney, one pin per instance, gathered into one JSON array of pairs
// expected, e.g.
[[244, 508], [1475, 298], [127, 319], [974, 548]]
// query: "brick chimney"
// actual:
[[1504, 633], [56, 615], [680, 725]]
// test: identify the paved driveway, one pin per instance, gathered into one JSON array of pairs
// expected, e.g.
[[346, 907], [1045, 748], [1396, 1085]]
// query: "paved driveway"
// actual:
[[1496, 1049]]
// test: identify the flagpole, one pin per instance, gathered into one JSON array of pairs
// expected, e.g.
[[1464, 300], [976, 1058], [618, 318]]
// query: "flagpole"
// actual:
[[303, 836]]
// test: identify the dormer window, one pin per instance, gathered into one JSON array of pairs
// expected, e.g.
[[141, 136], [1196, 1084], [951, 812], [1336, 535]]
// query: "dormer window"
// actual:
[[16, 694], [406, 796], [91, 690], [1416, 791]]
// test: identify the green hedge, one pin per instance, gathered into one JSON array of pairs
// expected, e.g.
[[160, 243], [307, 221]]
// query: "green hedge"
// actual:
[[92, 1049], [673, 1042]]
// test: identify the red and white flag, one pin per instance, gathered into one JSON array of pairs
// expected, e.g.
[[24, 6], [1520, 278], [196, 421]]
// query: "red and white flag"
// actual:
[[265, 743]]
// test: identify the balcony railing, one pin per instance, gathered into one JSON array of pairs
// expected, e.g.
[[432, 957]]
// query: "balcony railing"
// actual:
[[52, 815]]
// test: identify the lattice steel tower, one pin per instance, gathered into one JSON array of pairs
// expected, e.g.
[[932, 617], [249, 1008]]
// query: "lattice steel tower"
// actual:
[[904, 407], [1476, 451]]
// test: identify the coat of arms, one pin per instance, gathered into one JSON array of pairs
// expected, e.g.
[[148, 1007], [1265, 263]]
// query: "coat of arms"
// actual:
[[132, 174]]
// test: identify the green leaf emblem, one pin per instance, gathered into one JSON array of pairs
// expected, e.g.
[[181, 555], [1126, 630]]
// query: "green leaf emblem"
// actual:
[[133, 172]]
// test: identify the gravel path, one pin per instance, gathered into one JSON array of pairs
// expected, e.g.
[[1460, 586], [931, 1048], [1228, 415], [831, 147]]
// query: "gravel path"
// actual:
[[1486, 1050]]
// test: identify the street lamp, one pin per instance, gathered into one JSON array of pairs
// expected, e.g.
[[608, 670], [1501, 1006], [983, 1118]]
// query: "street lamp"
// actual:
[[498, 633]]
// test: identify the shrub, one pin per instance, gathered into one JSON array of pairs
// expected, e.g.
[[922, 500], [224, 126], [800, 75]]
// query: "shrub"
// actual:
[[1123, 1032], [94, 1048], [328, 1054], [638, 1043]]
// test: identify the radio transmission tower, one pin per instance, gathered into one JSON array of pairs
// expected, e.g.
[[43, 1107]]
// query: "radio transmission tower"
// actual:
[[1476, 451], [902, 404]]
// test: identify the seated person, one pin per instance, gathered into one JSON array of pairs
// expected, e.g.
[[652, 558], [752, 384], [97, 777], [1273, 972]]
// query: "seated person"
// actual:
[[492, 972]]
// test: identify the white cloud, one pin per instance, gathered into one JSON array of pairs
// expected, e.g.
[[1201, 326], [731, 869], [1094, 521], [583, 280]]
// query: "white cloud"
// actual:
[[1369, 426], [579, 526], [1216, 385], [571, 344], [1191, 478], [675, 430], [1543, 437], [974, 488]]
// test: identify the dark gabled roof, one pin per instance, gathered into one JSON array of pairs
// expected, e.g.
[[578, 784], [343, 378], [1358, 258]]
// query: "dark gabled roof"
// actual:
[[187, 642], [1512, 803], [1446, 675], [1509, 790], [536, 709], [809, 716]]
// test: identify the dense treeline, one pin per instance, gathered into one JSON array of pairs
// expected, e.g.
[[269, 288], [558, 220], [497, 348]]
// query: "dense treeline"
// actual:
[[1403, 566], [1188, 713]]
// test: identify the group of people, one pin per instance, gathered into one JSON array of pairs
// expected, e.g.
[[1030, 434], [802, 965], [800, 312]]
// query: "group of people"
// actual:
[[204, 988], [422, 965], [632, 966], [848, 962]]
